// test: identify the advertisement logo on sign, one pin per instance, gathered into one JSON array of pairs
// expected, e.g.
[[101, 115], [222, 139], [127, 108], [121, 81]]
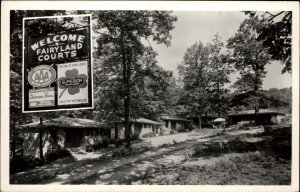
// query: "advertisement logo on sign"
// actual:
[[72, 83], [41, 76]]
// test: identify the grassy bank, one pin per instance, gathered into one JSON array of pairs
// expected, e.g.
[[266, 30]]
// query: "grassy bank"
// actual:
[[251, 168]]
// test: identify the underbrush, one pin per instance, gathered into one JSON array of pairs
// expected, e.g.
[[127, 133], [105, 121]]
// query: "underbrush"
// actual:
[[20, 163], [277, 145], [60, 153], [24, 163], [251, 168]]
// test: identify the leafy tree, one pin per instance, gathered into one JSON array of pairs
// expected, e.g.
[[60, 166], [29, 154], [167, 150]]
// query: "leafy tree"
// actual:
[[276, 35], [194, 71], [220, 70], [149, 87], [175, 103], [120, 35], [205, 71], [249, 57]]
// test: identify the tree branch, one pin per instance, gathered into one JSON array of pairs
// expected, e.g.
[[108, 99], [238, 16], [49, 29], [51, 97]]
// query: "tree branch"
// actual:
[[273, 16]]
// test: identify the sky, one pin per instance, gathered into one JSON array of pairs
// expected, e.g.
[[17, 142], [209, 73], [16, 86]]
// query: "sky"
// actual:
[[192, 26]]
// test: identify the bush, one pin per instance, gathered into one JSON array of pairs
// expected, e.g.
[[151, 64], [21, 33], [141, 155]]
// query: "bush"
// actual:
[[121, 152], [173, 132], [151, 134], [161, 133], [23, 163], [52, 156], [98, 145], [134, 137]]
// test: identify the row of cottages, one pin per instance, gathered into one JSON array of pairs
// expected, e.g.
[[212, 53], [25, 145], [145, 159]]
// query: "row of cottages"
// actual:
[[77, 132], [266, 117], [65, 131], [175, 124], [140, 127]]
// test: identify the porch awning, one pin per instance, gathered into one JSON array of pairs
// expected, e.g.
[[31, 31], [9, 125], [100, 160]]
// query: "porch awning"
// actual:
[[219, 120], [65, 122]]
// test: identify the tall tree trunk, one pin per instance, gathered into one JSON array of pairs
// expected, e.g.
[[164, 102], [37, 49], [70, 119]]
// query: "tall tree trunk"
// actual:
[[200, 122], [205, 122], [127, 107], [127, 125], [256, 110], [219, 95], [41, 139], [126, 77]]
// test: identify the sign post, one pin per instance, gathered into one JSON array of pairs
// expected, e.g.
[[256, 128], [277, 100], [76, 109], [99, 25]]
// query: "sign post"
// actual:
[[57, 66]]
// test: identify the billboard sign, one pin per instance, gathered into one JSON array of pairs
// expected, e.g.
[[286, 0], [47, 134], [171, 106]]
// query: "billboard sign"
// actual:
[[57, 64], [59, 47]]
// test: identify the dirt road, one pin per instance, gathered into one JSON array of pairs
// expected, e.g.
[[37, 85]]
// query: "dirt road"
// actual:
[[122, 170]]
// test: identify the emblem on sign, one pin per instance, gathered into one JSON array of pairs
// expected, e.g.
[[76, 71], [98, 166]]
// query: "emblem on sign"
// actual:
[[72, 82], [41, 76]]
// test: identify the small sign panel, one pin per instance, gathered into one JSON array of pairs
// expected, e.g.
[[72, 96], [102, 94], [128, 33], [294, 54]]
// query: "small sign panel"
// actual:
[[41, 97], [72, 83], [57, 63]]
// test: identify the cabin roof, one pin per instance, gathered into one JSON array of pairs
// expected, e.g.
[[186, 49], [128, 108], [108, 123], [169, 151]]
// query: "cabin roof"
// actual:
[[146, 121], [172, 118], [252, 112], [66, 122]]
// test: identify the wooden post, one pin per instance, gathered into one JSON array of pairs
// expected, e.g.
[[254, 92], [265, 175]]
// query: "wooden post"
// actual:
[[41, 139], [14, 138]]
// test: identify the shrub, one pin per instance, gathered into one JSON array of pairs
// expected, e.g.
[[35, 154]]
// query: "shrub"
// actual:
[[134, 137], [120, 152], [23, 163], [151, 134], [54, 155], [98, 145]]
